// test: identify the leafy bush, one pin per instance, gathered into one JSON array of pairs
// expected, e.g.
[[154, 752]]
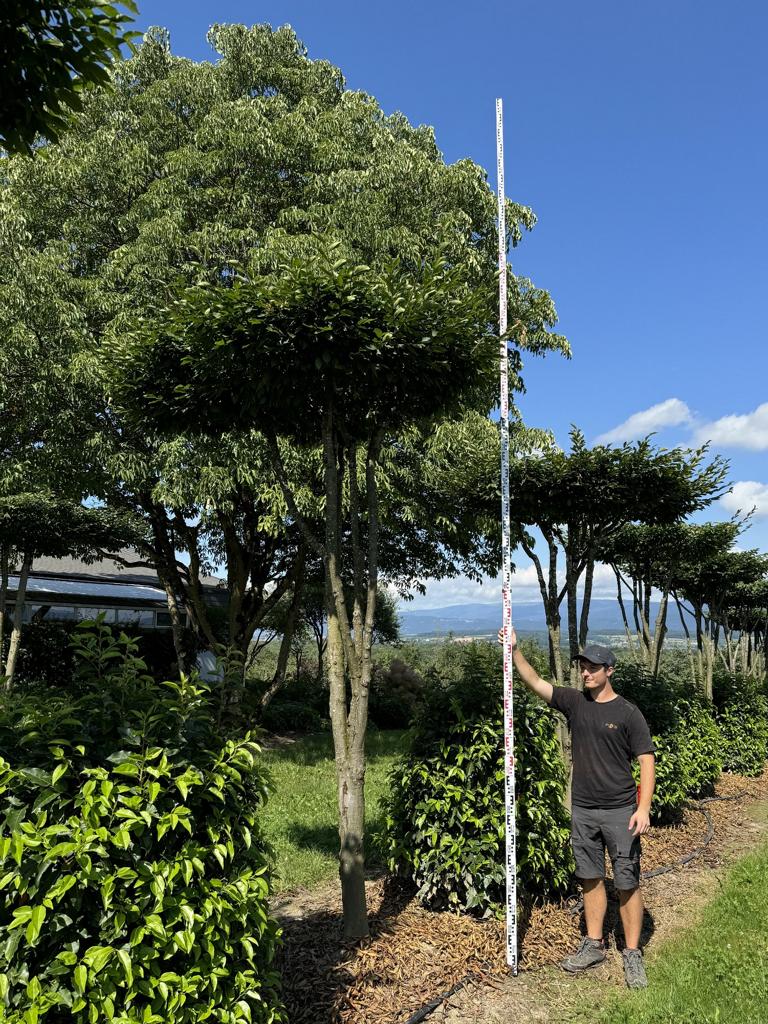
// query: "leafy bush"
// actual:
[[445, 815], [743, 724], [395, 694], [699, 747], [134, 877], [688, 759], [45, 654], [290, 716], [685, 734]]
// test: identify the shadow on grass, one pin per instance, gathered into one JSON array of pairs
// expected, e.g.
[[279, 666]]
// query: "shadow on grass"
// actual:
[[317, 747], [325, 838]]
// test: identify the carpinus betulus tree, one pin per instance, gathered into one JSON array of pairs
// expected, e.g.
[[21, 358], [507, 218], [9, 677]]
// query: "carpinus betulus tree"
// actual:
[[184, 171], [324, 353]]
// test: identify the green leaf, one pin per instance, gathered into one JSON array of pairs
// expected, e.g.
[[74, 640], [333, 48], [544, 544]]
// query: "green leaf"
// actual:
[[97, 957], [80, 978], [35, 924], [125, 959]]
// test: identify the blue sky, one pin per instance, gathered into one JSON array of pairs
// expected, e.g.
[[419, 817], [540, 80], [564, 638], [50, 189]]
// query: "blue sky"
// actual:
[[637, 134]]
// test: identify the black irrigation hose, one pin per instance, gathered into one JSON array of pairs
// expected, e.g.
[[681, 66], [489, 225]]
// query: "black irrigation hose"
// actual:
[[697, 805], [426, 1010]]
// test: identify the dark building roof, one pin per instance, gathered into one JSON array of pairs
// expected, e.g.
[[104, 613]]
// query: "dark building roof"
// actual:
[[105, 582], [107, 570]]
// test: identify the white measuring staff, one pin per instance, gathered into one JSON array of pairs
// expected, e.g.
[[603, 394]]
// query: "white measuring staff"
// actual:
[[509, 740]]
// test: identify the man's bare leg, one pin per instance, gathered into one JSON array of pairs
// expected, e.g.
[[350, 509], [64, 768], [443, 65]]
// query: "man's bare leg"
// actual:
[[595, 906], [631, 911]]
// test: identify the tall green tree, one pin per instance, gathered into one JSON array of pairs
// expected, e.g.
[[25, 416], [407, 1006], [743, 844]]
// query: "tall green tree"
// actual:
[[658, 558], [714, 587], [190, 172], [363, 354]]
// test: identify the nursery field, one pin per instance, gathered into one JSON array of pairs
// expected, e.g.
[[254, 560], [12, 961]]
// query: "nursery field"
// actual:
[[705, 936]]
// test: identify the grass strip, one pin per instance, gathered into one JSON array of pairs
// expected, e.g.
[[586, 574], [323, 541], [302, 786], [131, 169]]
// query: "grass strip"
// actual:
[[300, 819], [716, 972]]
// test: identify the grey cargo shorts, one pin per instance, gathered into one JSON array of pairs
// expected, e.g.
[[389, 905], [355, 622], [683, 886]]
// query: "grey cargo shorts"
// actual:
[[593, 831]]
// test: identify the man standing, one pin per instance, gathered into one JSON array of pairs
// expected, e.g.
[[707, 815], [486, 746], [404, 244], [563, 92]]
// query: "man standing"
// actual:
[[607, 734]]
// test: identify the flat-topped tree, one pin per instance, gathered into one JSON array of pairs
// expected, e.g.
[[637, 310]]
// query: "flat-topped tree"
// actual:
[[325, 352], [655, 557], [712, 586], [580, 499], [37, 525]]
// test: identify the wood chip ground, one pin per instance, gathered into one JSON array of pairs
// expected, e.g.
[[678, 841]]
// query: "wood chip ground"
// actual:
[[413, 955]]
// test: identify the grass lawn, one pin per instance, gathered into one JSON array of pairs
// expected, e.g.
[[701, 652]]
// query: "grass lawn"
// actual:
[[300, 819], [716, 972]]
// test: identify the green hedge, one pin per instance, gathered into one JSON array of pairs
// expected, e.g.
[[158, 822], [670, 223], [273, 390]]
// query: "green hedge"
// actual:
[[688, 759], [743, 723], [134, 877], [445, 814]]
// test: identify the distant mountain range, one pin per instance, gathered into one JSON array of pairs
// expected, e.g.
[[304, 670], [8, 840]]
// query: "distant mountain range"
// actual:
[[480, 620]]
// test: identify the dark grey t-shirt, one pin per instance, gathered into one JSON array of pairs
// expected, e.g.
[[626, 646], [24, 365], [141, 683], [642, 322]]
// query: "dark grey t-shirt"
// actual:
[[606, 737]]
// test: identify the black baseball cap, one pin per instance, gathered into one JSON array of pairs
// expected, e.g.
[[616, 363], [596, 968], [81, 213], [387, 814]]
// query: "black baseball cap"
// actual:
[[597, 654]]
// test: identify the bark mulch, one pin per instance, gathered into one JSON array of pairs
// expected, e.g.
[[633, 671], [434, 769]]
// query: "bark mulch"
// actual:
[[413, 955]]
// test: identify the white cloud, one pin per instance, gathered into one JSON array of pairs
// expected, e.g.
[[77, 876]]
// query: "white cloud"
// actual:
[[671, 413], [745, 495], [525, 588], [747, 431]]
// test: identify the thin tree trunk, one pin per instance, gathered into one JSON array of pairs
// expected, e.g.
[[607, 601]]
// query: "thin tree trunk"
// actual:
[[278, 679], [571, 585], [177, 622], [659, 632], [627, 631], [348, 738], [586, 601], [4, 559], [18, 619], [548, 590]]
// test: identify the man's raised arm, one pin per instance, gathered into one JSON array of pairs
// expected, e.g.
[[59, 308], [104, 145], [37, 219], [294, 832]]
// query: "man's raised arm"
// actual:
[[527, 672]]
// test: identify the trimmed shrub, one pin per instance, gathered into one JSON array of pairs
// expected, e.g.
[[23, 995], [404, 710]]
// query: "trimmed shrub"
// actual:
[[688, 759], [743, 724], [290, 716], [395, 694], [445, 816], [685, 734], [134, 877]]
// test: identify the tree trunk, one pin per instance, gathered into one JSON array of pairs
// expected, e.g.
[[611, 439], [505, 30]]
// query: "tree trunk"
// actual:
[[18, 619], [548, 589], [586, 601], [4, 559], [348, 728], [177, 623], [571, 585], [620, 599], [659, 632], [278, 678]]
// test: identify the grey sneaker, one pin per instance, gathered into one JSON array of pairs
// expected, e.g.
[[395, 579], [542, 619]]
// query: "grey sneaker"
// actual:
[[589, 954], [634, 971]]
